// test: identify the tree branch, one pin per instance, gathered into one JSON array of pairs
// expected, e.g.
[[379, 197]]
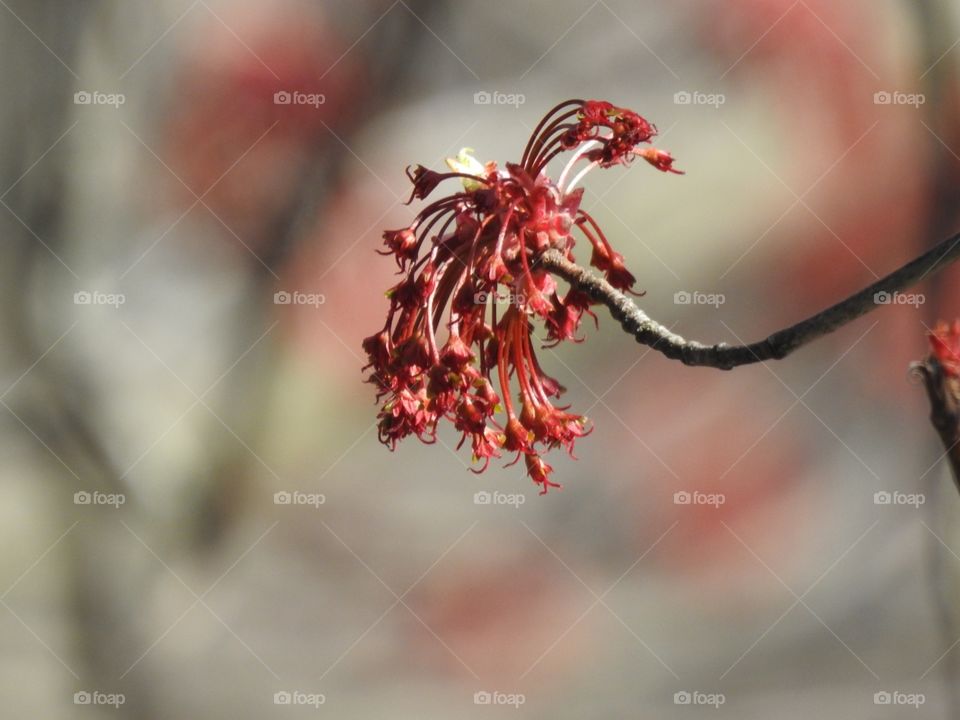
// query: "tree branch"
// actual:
[[944, 394], [648, 331]]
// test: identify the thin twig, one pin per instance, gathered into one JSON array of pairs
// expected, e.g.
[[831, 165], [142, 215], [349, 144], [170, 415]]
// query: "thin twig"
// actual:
[[944, 394], [775, 347]]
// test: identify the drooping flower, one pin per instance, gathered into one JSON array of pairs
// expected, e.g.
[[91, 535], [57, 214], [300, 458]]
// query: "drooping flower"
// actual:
[[945, 346], [463, 315]]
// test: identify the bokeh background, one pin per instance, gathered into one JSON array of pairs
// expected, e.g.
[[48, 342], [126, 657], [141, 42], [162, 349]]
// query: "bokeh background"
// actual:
[[177, 197]]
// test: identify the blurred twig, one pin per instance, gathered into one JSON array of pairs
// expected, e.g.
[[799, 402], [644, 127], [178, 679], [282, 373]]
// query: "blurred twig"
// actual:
[[944, 394], [50, 405], [386, 81]]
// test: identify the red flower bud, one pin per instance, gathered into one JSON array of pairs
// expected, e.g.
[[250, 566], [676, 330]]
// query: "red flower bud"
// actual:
[[945, 346], [401, 243], [539, 472], [659, 159]]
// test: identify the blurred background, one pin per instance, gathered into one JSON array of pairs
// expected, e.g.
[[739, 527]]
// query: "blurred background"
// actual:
[[197, 519]]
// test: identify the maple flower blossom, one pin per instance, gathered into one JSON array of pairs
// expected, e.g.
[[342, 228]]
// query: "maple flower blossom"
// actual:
[[462, 317], [945, 346]]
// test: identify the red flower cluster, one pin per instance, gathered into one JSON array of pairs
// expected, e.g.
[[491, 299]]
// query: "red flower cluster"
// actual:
[[471, 286], [945, 346]]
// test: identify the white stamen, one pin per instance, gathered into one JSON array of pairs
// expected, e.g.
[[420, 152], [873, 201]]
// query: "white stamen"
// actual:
[[581, 174], [585, 148]]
